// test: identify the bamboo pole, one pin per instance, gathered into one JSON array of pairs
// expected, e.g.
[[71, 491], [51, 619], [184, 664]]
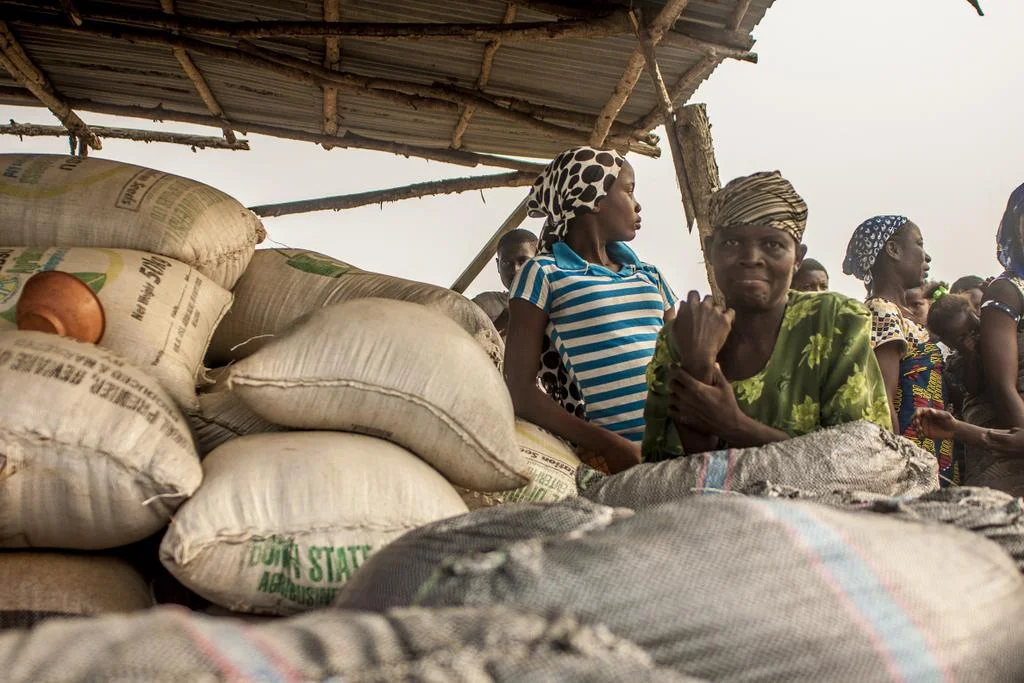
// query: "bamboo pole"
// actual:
[[394, 194], [686, 82], [487, 252], [194, 141], [486, 64], [21, 68], [612, 22], [661, 92], [347, 141], [332, 62], [738, 14], [702, 172], [685, 42], [194, 75], [634, 67]]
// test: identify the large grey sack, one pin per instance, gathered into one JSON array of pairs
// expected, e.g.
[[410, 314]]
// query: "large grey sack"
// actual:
[[395, 573], [996, 515], [744, 589], [469, 645], [859, 456]]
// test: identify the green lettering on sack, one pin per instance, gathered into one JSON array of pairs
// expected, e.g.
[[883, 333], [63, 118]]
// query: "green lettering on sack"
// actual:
[[318, 265]]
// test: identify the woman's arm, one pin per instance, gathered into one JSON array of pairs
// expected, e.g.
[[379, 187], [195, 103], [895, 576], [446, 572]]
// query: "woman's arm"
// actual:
[[527, 325], [888, 356], [999, 352]]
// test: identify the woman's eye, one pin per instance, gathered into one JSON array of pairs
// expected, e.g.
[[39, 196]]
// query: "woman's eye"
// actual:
[[731, 243]]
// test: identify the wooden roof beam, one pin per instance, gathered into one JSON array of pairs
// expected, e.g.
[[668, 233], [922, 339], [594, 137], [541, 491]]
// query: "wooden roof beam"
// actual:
[[194, 141], [433, 187], [21, 68], [634, 67], [486, 64], [332, 62], [686, 82], [193, 74], [348, 140], [738, 15]]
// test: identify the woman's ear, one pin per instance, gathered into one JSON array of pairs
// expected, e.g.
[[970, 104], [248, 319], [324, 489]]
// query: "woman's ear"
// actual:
[[801, 254], [892, 249]]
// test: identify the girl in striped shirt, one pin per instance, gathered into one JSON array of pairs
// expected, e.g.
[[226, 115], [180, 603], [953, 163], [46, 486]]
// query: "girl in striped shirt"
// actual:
[[586, 311]]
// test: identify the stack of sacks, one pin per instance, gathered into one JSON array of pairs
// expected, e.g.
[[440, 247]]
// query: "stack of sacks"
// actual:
[[389, 404], [159, 251], [94, 454]]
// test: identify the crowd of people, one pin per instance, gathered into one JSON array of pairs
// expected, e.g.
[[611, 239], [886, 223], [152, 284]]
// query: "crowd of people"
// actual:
[[600, 352]]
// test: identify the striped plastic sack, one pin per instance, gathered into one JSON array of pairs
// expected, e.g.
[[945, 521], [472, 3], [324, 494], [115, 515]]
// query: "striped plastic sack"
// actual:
[[859, 456], [170, 644], [746, 589]]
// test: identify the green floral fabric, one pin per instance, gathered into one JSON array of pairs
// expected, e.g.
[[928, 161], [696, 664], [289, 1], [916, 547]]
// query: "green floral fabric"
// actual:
[[822, 373]]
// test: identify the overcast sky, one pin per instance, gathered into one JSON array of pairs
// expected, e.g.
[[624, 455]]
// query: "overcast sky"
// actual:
[[868, 107]]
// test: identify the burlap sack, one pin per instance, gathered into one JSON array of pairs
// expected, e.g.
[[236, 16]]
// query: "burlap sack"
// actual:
[[93, 453], [282, 521], [160, 313], [858, 456], [395, 370], [413, 646], [730, 588], [223, 416], [283, 284], [75, 202]]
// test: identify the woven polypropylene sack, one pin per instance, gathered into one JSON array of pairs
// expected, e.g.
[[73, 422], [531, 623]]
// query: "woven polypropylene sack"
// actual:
[[466, 645], [160, 313], [40, 586], [93, 453], [77, 202], [223, 416], [394, 370], [394, 575], [745, 589], [283, 520], [859, 455], [281, 285]]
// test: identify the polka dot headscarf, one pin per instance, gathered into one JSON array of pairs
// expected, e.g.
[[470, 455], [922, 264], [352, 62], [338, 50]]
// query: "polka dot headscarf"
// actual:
[[571, 186], [867, 243]]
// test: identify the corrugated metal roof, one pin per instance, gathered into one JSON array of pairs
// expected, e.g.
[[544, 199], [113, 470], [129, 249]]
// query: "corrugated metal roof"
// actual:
[[577, 75]]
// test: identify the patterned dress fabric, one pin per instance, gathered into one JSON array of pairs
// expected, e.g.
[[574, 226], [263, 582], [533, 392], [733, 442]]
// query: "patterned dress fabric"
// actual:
[[822, 373], [920, 386]]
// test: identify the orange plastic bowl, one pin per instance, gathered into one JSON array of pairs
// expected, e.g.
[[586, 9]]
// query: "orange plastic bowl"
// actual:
[[59, 303]]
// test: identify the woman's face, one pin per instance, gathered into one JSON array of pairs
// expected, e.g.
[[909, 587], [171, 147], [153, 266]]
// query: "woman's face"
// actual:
[[912, 262], [754, 265], [618, 212]]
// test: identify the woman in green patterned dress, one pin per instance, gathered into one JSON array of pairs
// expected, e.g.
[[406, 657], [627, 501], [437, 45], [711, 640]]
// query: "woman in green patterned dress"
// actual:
[[773, 363]]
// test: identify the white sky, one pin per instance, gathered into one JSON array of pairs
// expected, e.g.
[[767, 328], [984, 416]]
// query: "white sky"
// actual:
[[868, 107]]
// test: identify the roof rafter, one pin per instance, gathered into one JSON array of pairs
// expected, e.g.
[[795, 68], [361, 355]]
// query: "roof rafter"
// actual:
[[486, 64], [139, 135], [687, 81], [738, 14], [332, 62], [21, 68]]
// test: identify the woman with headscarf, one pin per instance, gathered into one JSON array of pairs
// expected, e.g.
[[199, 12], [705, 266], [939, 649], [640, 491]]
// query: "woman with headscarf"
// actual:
[[887, 254], [999, 404], [585, 312], [773, 363]]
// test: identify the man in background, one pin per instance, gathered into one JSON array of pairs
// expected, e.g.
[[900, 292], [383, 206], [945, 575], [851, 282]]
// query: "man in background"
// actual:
[[811, 276], [514, 249]]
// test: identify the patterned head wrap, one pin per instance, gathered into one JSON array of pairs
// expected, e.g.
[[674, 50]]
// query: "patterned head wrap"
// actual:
[[764, 198], [1009, 250], [571, 186], [868, 241]]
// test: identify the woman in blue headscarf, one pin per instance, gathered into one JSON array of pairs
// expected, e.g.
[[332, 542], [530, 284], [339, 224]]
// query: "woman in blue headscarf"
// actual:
[[999, 404], [887, 254]]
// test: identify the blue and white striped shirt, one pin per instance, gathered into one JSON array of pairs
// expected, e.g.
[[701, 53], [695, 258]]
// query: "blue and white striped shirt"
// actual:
[[604, 326]]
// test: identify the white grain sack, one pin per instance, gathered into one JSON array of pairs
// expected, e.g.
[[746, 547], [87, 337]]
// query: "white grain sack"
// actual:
[[283, 520], [75, 202], [93, 453], [160, 313], [395, 370], [281, 285]]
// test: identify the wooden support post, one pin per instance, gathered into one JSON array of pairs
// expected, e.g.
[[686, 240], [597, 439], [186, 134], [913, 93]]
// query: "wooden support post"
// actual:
[[634, 67], [332, 61], [487, 252], [665, 102], [194, 141], [486, 64], [394, 194], [21, 68], [694, 130], [194, 75]]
